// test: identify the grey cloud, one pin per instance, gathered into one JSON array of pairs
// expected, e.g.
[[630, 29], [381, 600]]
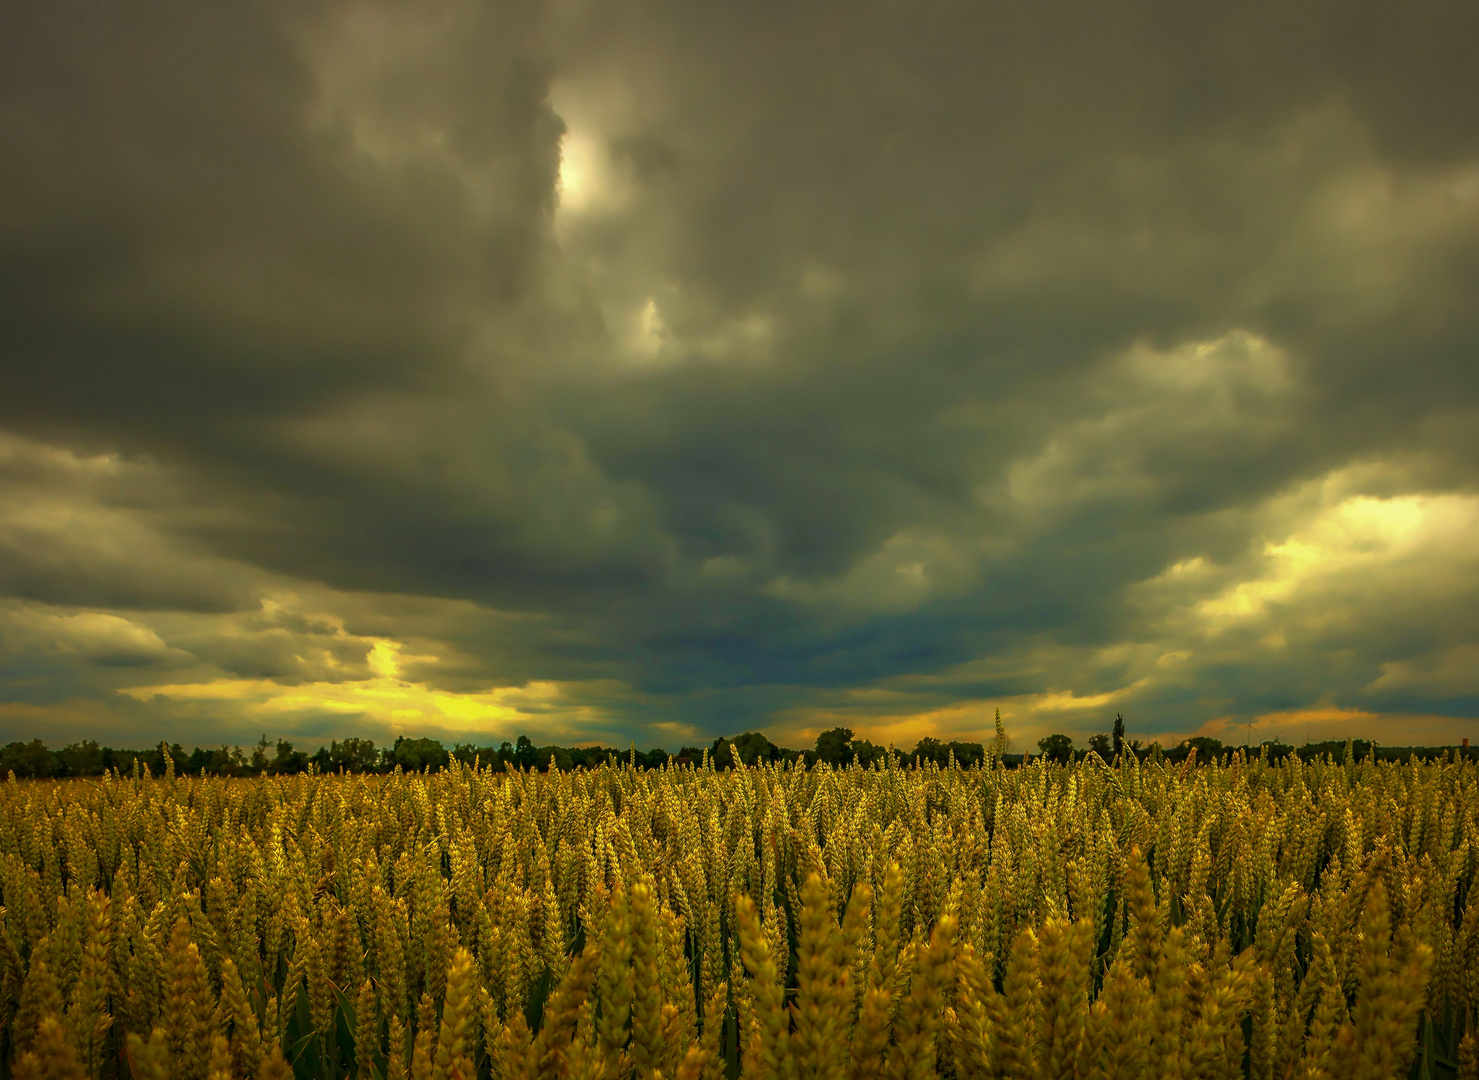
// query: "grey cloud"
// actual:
[[652, 158], [186, 244], [98, 530], [879, 341]]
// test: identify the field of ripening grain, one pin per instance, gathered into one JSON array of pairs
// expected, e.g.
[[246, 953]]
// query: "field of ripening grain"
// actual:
[[1139, 919]]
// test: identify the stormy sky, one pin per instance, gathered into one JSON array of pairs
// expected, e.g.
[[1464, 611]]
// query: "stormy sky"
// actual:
[[612, 370]]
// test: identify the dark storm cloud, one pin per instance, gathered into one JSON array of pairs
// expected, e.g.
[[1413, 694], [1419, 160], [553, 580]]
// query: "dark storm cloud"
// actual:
[[184, 245], [857, 362]]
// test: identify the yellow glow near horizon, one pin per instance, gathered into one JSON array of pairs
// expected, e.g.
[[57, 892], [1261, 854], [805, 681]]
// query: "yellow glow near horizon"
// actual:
[[382, 659], [385, 696]]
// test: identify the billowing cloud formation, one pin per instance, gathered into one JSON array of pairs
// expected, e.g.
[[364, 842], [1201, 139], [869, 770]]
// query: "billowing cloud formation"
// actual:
[[643, 370]]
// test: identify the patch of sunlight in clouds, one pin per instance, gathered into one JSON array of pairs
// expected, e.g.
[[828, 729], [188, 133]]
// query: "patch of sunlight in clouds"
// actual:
[[649, 331], [385, 697], [1359, 536], [383, 662], [1066, 701], [648, 339], [591, 182], [581, 175]]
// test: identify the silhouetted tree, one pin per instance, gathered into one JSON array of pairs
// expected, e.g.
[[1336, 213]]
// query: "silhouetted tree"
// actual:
[[1100, 744], [753, 747], [414, 755], [835, 746], [352, 755], [1057, 747], [928, 749], [81, 758], [30, 759], [1119, 734], [1207, 748], [288, 761]]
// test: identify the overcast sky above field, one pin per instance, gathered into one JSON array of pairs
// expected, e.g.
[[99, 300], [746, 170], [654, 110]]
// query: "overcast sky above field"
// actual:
[[610, 369]]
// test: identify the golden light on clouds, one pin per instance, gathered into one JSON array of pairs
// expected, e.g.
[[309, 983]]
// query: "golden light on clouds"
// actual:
[[582, 177], [1066, 701], [385, 698], [1358, 538], [591, 183], [379, 694]]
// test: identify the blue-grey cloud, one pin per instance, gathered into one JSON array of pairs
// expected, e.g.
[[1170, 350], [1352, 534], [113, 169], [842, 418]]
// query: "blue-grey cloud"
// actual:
[[637, 369]]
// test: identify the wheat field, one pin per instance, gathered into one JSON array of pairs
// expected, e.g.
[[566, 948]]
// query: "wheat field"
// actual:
[[1239, 918]]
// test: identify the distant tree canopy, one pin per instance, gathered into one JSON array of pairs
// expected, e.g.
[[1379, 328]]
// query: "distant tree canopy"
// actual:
[[1057, 748], [415, 755], [836, 747], [1205, 747], [34, 759], [752, 748], [353, 755], [965, 754]]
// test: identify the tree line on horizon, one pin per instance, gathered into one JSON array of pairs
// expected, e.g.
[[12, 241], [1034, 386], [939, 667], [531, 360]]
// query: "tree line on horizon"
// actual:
[[837, 746]]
